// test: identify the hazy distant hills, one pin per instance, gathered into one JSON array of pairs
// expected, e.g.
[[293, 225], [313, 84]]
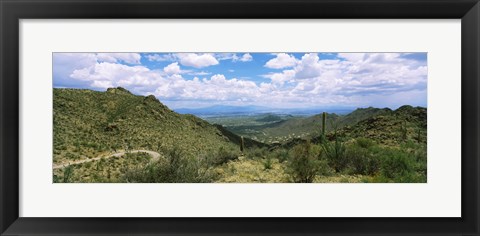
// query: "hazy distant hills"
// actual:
[[275, 128], [222, 110], [269, 118]]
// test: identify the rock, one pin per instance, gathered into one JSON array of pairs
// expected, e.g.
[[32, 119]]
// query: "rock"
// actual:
[[119, 90]]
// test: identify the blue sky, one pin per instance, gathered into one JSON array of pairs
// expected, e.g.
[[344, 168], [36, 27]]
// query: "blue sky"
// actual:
[[281, 80]]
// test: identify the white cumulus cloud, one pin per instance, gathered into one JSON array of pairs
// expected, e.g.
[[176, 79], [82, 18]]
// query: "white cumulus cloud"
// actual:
[[161, 57], [313, 79], [197, 60], [130, 58], [246, 57], [105, 74], [282, 60], [172, 69]]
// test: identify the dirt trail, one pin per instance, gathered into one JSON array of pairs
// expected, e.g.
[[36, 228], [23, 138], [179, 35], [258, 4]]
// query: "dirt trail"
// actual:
[[155, 156]]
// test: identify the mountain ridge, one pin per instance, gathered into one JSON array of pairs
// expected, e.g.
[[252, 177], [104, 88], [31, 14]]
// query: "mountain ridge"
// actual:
[[93, 123]]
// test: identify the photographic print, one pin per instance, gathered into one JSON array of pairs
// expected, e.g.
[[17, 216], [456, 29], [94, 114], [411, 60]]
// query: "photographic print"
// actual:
[[220, 117]]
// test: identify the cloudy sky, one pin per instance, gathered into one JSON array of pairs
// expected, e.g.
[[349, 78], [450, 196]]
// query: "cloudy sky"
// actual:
[[287, 80]]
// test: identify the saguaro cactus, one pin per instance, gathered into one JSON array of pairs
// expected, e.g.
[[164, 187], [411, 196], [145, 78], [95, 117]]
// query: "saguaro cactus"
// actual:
[[419, 134], [324, 122], [404, 130], [242, 144]]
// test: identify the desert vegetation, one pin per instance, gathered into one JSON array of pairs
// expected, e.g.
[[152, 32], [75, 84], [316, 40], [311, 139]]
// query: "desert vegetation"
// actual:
[[368, 145]]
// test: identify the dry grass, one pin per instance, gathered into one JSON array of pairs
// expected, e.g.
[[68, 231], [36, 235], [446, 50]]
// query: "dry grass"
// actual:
[[252, 171]]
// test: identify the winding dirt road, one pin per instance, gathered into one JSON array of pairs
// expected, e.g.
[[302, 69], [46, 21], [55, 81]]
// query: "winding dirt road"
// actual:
[[155, 156]]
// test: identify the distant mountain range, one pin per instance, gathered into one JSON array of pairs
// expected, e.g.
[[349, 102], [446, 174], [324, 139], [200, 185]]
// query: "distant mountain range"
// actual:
[[223, 110], [282, 128]]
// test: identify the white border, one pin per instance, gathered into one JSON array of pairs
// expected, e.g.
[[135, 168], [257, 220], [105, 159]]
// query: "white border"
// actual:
[[439, 198]]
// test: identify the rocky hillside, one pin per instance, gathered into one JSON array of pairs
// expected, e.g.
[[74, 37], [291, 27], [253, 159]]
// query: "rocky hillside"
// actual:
[[392, 127], [89, 123], [383, 126]]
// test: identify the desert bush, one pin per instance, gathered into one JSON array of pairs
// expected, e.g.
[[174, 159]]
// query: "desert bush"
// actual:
[[396, 163], [177, 167], [419, 151], [282, 155], [257, 153], [267, 163], [399, 165], [68, 174], [360, 158], [305, 163], [224, 155], [361, 161], [364, 142]]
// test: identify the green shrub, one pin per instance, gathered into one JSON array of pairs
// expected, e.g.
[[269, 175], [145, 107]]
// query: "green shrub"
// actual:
[[418, 151], [256, 153], [223, 156], [305, 163], [364, 142], [282, 155], [175, 168], [361, 160], [68, 174], [56, 179], [267, 163], [396, 163], [399, 165]]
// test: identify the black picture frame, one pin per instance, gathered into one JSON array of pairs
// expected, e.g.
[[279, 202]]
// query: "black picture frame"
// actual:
[[12, 11]]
